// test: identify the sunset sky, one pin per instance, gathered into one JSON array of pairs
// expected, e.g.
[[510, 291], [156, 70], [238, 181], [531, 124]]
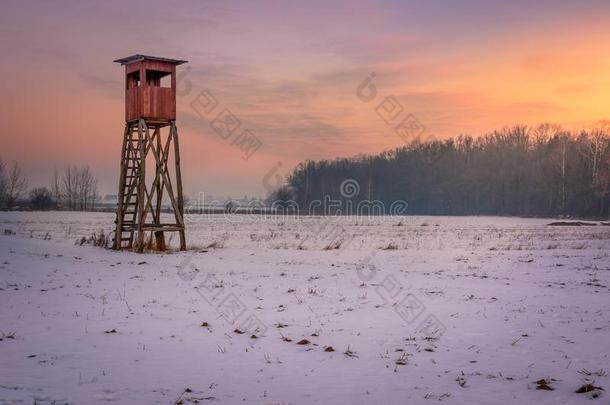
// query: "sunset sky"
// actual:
[[289, 71]]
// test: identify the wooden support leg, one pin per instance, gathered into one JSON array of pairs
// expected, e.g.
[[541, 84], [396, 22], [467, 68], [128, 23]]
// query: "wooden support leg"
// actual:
[[160, 165], [174, 133], [141, 184], [160, 241]]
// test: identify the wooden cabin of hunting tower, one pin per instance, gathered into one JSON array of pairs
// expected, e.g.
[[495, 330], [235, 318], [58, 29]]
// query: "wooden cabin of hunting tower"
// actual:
[[150, 87]]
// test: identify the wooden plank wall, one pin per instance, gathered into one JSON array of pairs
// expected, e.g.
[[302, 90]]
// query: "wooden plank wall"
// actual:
[[150, 102]]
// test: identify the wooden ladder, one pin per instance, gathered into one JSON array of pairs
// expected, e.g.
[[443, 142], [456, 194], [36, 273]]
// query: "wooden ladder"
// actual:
[[131, 161]]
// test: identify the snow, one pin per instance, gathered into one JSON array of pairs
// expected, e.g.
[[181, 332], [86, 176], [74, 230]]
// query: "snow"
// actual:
[[512, 301]]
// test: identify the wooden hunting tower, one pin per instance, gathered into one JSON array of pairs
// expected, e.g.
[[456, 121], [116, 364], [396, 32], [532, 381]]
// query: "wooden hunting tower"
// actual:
[[150, 108]]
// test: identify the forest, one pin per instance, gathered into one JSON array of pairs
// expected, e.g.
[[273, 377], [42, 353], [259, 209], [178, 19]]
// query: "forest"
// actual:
[[526, 171]]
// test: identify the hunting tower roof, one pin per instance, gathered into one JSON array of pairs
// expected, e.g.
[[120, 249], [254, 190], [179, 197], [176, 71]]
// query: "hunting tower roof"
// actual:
[[139, 58]]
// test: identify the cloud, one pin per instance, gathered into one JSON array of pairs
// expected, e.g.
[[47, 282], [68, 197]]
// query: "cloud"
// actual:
[[112, 88], [372, 48], [574, 89]]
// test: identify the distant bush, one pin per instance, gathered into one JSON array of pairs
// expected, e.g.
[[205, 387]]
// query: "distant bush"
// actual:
[[41, 199]]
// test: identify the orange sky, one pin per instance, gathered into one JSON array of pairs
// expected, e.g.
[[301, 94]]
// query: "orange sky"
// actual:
[[289, 71]]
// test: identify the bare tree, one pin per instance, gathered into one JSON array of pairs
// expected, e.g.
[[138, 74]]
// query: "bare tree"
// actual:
[[3, 183], [544, 132], [600, 163], [68, 184], [78, 188], [597, 147], [82, 185], [56, 188], [93, 195], [86, 185], [16, 186]]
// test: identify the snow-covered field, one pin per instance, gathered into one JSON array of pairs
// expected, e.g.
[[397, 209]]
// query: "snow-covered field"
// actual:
[[462, 310]]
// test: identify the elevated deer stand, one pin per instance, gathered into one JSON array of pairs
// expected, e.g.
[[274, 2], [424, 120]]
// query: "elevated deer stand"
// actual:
[[150, 110]]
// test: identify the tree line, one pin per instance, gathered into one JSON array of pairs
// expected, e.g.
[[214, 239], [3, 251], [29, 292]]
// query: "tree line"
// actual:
[[529, 171], [74, 188]]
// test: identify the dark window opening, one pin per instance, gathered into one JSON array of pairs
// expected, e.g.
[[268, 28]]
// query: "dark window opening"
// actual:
[[133, 80], [157, 78]]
